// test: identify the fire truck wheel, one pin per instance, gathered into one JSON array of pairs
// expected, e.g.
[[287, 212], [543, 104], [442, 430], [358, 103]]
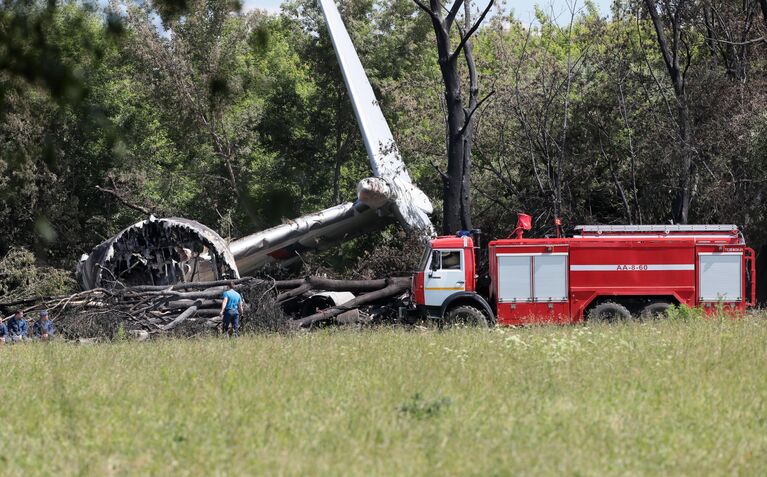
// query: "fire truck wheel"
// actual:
[[466, 315], [610, 312], [655, 310]]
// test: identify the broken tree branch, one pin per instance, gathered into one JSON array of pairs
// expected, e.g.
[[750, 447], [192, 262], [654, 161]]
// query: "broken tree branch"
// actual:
[[183, 316], [473, 29], [394, 286], [124, 201]]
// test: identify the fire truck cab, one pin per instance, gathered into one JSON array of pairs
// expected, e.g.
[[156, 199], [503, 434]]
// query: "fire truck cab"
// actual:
[[604, 271]]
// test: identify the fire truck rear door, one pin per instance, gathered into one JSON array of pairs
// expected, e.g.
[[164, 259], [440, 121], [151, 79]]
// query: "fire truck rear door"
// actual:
[[720, 276]]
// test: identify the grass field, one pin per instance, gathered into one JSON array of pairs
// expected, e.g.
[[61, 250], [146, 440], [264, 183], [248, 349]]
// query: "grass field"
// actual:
[[660, 398]]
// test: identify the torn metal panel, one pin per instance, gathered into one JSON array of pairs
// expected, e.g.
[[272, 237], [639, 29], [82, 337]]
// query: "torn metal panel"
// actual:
[[157, 252]]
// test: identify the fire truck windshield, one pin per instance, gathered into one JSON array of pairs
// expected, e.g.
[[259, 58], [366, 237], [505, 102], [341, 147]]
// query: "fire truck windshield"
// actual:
[[425, 258]]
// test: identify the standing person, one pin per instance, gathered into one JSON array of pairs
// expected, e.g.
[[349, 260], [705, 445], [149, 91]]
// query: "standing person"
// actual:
[[43, 328], [17, 327], [231, 309]]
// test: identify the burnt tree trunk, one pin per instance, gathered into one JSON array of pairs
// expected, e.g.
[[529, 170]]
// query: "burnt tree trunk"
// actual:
[[456, 203], [468, 53], [763, 4], [671, 52]]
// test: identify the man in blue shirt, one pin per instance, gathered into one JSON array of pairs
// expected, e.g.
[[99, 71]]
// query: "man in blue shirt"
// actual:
[[231, 309], [17, 327], [43, 328]]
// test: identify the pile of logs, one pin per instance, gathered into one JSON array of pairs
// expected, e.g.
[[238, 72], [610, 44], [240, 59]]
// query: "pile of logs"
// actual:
[[162, 309]]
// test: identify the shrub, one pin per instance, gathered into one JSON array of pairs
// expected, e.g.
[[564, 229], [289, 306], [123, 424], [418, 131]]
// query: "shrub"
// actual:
[[397, 254], [421, 408], [21, 277], [263, 313], [684, 313]]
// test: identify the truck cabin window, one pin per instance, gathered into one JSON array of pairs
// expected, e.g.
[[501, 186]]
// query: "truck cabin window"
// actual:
[[451, 260], [435, 260], [446, 260]]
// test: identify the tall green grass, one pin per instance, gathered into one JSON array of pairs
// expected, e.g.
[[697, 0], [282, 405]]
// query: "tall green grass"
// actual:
[[674, 397]]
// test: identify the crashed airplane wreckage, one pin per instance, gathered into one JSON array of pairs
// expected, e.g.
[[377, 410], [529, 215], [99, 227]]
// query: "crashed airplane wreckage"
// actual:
[[190, 308], [166, 251]]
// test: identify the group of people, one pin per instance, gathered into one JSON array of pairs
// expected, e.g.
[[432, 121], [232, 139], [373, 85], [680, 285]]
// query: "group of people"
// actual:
[[16, 328]]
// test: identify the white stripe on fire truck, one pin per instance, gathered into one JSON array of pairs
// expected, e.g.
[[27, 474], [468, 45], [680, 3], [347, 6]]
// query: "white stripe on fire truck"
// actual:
[[620, 267]]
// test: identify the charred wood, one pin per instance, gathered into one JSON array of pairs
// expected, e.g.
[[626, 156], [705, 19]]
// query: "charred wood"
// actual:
[[196, 306], [394, 286], [183, 316]]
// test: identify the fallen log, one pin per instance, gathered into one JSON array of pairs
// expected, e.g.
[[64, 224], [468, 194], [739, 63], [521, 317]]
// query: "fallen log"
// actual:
[[183, 316], [283, 297], [327, 284], [286, 284], [393, 287], [185, 303], [213, 322], [56, 298], [190, 285], [239, 284], [210, 293], [205, 312]]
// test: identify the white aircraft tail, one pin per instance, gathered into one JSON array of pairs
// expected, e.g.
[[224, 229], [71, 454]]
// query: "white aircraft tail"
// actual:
[[411, 205]]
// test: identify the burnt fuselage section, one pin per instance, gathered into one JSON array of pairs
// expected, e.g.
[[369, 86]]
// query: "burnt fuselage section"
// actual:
[[158, 252]]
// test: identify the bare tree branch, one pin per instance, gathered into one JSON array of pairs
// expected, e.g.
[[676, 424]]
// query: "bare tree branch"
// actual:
[[423, 7], [452, 13], [114, 193], [473, 29], [474, 110], [739, 43]]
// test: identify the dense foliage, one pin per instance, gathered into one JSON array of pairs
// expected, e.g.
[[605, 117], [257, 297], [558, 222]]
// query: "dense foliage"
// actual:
[[240, 119]]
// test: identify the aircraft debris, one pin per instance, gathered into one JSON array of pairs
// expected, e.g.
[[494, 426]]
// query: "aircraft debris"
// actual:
[[163, 251]]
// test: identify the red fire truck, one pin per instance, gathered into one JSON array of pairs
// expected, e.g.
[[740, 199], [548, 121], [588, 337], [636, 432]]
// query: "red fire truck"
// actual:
[[603, 271]]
